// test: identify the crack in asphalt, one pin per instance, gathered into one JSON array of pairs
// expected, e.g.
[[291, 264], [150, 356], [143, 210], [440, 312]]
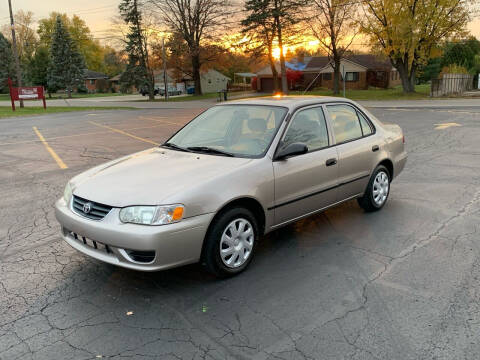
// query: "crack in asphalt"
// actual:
[[50, 294]]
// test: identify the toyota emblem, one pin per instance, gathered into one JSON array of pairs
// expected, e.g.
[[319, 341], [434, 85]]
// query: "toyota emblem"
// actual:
[[87, 207]]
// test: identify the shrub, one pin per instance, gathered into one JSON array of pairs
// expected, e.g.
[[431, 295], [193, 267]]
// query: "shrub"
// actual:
[[82, 89]]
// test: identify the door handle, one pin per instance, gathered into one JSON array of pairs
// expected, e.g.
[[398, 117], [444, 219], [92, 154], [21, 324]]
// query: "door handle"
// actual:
[[331, 162], [375, 148]]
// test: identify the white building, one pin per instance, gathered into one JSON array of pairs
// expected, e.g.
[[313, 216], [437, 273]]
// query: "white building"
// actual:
[[213, 81]]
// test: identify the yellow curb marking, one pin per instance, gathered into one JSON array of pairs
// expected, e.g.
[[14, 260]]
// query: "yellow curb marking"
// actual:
[[54, 155], [445, 126], [124, 133]]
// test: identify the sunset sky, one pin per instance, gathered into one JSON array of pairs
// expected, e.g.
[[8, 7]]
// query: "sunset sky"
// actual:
[[97, 14]]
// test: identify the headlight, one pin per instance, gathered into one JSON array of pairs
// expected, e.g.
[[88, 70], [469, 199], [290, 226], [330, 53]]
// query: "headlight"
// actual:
[[67, 193], [152, 215]]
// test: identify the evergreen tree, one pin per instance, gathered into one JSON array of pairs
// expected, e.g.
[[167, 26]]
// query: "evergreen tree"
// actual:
[[461, 53], [261, 28], [138, 72], [67, 66], [6, 63], [37, 68], [270, 21]]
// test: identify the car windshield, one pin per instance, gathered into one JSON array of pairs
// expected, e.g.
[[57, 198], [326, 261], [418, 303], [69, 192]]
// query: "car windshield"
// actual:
[[231, 130]]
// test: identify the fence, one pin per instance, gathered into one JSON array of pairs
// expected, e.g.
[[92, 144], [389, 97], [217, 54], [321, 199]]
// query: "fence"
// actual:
[[451, 84]]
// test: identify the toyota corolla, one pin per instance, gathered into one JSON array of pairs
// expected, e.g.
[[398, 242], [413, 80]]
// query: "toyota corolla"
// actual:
[[234, 173]]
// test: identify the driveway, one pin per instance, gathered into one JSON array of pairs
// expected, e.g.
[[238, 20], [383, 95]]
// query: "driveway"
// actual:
[[403, 283]]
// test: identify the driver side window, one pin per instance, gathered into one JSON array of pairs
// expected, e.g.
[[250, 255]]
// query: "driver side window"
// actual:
[[308, 127]]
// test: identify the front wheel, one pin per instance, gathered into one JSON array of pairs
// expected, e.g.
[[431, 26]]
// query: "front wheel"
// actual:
[[230, 242], [377, 191]]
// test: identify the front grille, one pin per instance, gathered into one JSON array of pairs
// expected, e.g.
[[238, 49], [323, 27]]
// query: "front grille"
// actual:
[[91, 243], [97, 211], [141, 256]]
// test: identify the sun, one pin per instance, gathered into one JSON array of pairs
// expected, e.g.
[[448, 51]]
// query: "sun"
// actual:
[[276, 53]]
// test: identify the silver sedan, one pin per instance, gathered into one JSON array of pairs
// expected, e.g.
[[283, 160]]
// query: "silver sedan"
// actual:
[[237, 171]]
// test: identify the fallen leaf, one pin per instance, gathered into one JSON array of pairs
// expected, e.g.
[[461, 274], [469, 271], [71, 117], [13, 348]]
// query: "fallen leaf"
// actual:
[[129, 313]]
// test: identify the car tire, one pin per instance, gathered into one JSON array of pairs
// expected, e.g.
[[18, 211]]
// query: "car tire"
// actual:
[[217, 246], [378, 189]]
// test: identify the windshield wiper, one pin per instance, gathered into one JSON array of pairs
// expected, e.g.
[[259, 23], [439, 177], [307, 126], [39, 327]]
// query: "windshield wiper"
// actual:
[[206, 149], [174, 146]]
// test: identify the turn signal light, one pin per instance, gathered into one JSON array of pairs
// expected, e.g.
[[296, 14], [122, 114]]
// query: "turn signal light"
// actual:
[[177, 213]]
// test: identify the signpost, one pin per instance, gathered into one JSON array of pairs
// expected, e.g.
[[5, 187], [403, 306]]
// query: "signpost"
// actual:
[[26, 93]]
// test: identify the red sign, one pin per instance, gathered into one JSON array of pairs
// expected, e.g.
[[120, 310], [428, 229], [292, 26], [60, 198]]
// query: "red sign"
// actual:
[[26, 93]]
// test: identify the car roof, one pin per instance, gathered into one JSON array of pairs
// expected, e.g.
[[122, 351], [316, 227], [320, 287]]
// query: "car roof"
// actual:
[[291, 102]]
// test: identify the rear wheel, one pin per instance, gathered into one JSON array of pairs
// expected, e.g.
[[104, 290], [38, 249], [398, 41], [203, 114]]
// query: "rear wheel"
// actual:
[[377, 191], [230, 242]]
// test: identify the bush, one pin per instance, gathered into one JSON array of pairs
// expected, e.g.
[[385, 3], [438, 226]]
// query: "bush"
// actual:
[[82, 89], [453, 69]]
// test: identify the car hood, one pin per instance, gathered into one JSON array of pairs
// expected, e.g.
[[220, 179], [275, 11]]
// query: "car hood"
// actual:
[[151, 177]]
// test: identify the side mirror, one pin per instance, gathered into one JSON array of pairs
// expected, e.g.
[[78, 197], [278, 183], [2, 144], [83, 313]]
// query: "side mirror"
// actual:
[[291, 150]]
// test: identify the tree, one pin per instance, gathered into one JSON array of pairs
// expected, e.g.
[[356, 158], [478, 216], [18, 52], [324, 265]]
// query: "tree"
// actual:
[[269, 23], [25, 35], [260, 27], [138, 71], [6, 63], [286, 13], [91, 50], [461, 53], [333, 25], [196, 21], [113, 61], [179, 59], [67, 66], [37, 68], [408, 30], [231, 62], [431, 70]]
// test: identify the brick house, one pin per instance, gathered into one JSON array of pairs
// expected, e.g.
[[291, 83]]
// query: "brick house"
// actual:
[[264, 76], [95, 81], [361, 72]]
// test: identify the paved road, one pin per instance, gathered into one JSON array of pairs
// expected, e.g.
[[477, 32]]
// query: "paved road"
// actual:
[[403, 283], [138, 101]]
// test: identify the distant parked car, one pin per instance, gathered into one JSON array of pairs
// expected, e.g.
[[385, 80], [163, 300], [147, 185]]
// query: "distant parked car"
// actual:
[[235, 172], [191, 90], [172, 91], [144, 91]]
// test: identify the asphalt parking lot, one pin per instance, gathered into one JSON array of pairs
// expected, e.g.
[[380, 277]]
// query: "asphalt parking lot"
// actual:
[[403, 283]]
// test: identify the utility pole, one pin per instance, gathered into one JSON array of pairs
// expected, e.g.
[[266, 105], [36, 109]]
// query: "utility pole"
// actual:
[[15, 52], [165, 80]]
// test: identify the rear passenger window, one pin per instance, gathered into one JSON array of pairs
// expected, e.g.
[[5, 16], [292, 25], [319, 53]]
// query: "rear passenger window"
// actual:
[[308, 127], [366, 128], [346, 125]]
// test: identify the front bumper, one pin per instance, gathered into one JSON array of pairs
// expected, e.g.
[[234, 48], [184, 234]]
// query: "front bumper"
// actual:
[[174, 244]]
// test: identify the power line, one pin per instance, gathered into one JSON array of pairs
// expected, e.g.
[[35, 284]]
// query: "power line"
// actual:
[[95, 8]]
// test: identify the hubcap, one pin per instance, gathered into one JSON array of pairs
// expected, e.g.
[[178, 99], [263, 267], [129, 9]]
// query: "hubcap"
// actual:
[[237, 243], [380, 188]]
